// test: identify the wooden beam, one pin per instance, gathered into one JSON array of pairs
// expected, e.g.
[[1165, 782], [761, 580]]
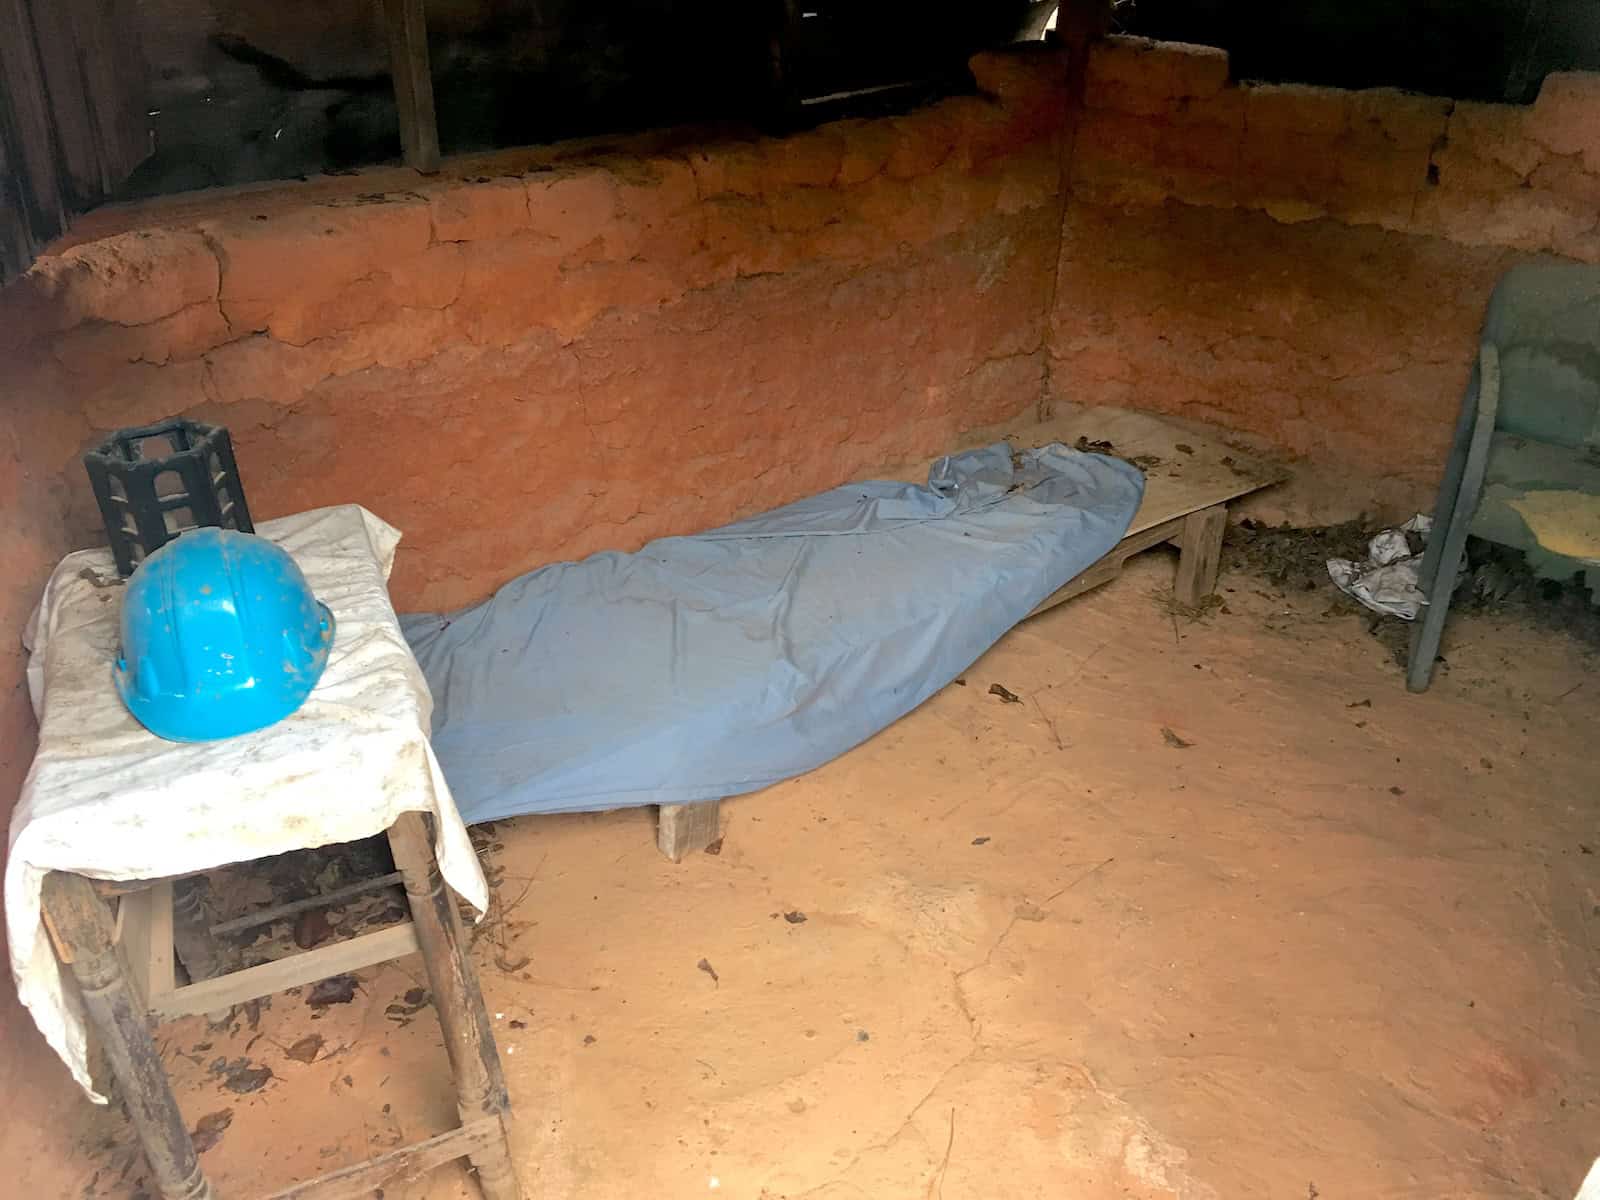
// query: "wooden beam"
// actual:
[[134, 917], [1199, 554], [161, 976], [255, 982], [326, 900], [363, 1179], [684, 828], [413, 83], [1110, 566]]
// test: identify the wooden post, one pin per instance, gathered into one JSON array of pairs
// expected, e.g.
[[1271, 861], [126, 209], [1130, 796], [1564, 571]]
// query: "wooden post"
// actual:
[[684, 828], [82, 930], [1199, 553], [468, 1037], [413, 83]]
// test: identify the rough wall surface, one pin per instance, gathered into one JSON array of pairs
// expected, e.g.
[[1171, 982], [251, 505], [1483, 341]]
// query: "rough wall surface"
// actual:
[[1305, 263], [521, 368]]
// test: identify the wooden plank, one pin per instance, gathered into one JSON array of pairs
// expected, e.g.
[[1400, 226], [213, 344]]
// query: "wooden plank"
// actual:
[[684, 828], [96, 93], [1199, 553], [407, 26], [293, 971], [1183, 481], [72, 116], [162, 974], [115, 85], [1109, 567], [82, 929], [326, 900], [69, 114], [362, 1179], [1209, 472], [135, 916], [32, 209], [17, 242]]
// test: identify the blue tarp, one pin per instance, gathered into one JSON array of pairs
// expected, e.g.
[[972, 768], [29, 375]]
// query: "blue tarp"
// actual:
[[706, 666]]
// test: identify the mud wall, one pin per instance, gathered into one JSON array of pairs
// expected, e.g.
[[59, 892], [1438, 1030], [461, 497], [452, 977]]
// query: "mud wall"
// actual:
[[1305, 263], [515, 367]]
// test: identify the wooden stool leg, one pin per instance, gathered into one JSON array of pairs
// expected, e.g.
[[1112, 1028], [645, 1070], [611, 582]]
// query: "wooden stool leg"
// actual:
[[684, 828], [82, 929], [1199, 553], [468, 1036]]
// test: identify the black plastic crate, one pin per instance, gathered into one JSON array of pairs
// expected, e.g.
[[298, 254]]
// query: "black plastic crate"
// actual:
[[155, 482]]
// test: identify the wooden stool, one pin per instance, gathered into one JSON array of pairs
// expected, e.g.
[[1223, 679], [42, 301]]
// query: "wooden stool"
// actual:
[[119, 1007]]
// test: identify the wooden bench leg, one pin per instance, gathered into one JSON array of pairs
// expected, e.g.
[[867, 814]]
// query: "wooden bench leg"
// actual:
[[1199, 553], [83, 932], [684, 828], [468, 1036]]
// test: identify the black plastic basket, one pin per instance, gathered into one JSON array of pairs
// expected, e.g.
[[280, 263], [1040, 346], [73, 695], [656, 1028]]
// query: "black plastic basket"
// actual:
[[155, 482]]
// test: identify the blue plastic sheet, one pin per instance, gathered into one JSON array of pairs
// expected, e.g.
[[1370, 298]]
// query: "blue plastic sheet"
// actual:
[[706, 666]]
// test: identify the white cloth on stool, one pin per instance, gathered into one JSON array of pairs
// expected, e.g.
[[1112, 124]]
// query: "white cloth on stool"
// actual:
[[107, 799]]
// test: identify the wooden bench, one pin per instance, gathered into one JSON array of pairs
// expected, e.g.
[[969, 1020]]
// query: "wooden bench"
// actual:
[[1190, 479]]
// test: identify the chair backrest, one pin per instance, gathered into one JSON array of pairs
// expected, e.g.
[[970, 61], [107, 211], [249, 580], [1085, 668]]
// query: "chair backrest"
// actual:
[[1544, 319]]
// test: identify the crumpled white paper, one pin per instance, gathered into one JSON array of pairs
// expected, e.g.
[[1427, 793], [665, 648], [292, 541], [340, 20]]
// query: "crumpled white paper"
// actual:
[[1386, 581]]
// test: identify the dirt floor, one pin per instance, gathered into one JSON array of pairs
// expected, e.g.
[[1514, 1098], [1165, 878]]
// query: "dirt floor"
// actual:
[[1215, 909]]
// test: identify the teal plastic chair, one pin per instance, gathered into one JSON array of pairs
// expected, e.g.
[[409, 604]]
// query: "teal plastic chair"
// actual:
[[1530, 421]]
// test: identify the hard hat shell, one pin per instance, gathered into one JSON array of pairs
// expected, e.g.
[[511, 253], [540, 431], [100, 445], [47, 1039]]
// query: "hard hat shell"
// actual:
[[220, 636]]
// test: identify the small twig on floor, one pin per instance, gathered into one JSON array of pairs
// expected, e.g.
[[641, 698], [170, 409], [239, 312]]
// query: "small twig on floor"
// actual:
[[936, 1192], [1092, 870], [1176, 640], [1568, 692], [494, 922], [338, 1050], [1077, 671], [1054, 732]]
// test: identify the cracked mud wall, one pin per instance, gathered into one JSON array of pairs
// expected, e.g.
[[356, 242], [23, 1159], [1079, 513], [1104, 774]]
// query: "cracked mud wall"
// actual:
[[537, 361], [1307, 264]]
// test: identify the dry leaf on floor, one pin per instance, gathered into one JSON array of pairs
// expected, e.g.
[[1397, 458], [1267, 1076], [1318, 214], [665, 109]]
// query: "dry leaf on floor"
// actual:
[[339, 989], [306, 1049], [209, 1129], [415, 1000]]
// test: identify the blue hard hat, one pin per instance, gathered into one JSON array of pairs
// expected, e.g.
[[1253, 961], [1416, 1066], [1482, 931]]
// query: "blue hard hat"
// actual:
[[220, 636]]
